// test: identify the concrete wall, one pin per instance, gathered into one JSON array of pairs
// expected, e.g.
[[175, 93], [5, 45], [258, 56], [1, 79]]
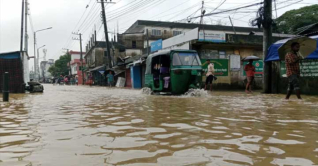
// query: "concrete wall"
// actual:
[[99, 56], [133, 52], [75, 56]]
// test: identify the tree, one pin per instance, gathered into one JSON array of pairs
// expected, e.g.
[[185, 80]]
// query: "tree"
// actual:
[[60, 66], [294, 19]]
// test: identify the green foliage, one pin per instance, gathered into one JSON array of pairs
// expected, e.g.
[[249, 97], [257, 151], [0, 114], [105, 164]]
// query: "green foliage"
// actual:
[[294, 19], [61, 66]]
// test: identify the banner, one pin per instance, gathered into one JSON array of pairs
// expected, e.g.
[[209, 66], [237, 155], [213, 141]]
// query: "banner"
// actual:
[[156, 45], [308, 68], [259, 67], [210, 36], [221, 66]]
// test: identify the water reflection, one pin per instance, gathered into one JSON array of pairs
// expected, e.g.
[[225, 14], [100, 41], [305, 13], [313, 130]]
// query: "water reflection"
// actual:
[[101, 126]]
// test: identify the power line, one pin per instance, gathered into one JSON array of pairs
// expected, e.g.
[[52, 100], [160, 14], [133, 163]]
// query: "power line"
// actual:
[[69, 40], [138, 10], [229, 10], [290, 4], [219, 5]]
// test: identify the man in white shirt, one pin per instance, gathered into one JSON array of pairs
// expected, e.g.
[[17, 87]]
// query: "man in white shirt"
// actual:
[[209, 74]]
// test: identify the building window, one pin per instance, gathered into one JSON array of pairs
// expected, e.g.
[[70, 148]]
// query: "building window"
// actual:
[[222, 55], [165, 32], [176, 33], [209, 54], [134, 44], [156, 32]]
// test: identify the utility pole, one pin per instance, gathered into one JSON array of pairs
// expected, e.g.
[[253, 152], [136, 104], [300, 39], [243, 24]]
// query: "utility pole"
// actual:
[[35, 59], [232, 24], [22, 24], [80, 39], [26, 27], [35, 64], [106, 32], [201, 20], [267, 41], [147, 33]]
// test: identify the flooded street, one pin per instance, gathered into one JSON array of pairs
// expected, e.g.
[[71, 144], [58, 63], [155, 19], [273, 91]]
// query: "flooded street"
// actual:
[[71, 126]]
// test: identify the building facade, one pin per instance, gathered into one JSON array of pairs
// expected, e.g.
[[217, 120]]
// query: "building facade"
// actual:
[[45, 75], [75, 65], [224, 45]]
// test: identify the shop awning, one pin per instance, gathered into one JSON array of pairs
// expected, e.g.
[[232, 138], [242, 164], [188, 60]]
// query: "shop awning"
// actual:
[[99, 68], [273, 51]]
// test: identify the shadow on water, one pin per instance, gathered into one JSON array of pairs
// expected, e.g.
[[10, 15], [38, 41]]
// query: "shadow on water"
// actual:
[[69, 125]]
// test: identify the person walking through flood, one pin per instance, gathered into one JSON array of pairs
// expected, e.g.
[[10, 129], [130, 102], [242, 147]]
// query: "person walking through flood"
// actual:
[[110, 78], [90, 79], [250, 73], [209, 74], [293, 70], [76, 80]]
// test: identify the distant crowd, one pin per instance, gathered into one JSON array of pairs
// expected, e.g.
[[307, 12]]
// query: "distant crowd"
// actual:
[[65, 80]]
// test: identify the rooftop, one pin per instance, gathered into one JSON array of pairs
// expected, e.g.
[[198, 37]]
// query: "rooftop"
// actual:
[[138, 26]]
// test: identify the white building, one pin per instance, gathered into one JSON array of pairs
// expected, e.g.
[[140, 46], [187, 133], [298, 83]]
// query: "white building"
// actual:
[[45, 75]]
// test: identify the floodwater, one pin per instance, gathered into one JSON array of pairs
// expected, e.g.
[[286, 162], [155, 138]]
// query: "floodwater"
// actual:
[[83, 126]]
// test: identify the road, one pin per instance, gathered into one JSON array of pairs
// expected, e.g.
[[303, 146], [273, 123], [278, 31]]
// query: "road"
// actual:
[[80, 125]]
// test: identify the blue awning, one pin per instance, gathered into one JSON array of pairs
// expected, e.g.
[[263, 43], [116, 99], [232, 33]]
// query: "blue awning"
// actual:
[[273, 50]]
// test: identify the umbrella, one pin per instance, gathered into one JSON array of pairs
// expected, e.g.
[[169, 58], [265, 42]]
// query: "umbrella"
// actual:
[[254, 58], [307, 46]]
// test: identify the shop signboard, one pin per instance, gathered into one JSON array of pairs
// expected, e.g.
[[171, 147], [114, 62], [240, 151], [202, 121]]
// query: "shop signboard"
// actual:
[[210, 36], [308, 68], [259, 67], [156, 45], [221, 66]]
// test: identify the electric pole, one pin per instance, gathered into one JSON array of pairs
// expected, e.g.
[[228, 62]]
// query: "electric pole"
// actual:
[[267, 41], [147, 33], [22, 24], [26, 37], [82, 68], [106, 32], [232, 25]]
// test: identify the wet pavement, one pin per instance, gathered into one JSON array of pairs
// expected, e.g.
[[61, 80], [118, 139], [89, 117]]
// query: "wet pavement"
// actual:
[[72, 126]]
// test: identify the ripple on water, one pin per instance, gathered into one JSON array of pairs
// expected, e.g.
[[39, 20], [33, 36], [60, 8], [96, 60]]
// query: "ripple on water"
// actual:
[[182, 126], [122, 156], [201, 155], [272, 140], [292, 161], [127, 142]]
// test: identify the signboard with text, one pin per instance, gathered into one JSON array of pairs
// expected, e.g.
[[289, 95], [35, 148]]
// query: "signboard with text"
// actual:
[[308, 68], [156, 45], [210, 36], [221, 66], [258, 68]]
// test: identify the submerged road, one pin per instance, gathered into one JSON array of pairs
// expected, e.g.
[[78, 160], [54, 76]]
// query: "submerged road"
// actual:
[[83, 126]]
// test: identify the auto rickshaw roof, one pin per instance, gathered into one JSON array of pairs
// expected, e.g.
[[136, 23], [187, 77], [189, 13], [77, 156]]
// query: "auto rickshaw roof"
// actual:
[[167, 52]]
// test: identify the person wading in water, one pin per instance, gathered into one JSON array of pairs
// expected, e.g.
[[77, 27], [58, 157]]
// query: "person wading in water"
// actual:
[[293, 70], [250, 72], [209, 75]]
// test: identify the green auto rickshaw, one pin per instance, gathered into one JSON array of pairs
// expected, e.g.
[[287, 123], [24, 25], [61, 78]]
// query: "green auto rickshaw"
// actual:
[[173, 72]]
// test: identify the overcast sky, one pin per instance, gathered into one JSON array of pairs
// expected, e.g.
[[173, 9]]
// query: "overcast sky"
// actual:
[[67, 16]]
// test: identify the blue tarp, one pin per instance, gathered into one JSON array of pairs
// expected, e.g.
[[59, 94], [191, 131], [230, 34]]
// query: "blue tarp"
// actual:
[[273, 51]]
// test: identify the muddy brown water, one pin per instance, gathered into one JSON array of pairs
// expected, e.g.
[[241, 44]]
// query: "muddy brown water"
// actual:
[[96, 126]]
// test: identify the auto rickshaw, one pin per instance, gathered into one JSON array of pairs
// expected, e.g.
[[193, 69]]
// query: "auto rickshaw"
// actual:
[[173, 72]]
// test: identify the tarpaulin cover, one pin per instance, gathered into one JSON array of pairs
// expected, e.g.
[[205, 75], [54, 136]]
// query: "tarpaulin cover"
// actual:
[[273, 51]]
